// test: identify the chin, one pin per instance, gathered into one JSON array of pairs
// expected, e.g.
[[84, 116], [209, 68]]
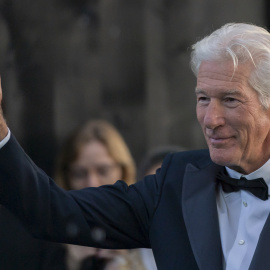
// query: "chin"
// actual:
[[222, 157]]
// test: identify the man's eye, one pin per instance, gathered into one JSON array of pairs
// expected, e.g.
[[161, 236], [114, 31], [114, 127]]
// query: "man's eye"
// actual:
[[231, 102], [202, 99], [229, 99]]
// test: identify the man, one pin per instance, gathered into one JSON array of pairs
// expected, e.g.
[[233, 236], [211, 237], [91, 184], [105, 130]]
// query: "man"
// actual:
[[184, 213]]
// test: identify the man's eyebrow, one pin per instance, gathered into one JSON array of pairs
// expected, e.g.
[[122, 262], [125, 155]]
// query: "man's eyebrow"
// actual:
[[233, 92], [226, 92], [199, 91]]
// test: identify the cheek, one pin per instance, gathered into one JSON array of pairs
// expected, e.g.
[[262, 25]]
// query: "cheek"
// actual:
[[248, 136], [112, 177], [200, 115], [118, 174]]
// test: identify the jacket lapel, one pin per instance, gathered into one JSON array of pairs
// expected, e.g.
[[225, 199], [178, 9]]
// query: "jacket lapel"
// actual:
[[261, 258], [200, 215]]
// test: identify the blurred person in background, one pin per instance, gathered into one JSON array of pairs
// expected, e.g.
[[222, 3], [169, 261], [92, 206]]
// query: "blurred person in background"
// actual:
[[153, 159], [96, 155], [149, 164]]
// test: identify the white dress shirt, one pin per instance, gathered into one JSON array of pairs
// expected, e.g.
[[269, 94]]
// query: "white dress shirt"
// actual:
[[5, 140], [241, 220], [148, 258]]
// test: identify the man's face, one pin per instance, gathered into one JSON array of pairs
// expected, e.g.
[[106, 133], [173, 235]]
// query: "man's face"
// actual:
[[235, 125]]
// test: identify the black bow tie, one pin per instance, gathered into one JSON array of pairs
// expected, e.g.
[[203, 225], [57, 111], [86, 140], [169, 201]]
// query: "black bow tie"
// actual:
[[257, 187]]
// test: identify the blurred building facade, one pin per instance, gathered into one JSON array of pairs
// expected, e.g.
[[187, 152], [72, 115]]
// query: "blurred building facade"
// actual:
[[64, 62]]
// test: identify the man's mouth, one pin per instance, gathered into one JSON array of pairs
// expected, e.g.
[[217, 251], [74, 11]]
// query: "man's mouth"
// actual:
[[218, 140]]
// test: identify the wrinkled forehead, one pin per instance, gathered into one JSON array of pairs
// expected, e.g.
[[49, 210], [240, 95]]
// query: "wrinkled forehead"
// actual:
[[221, 76], [225, 71]]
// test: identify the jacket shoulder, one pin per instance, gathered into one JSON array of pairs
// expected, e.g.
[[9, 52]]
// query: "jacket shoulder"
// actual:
[[198, 158]]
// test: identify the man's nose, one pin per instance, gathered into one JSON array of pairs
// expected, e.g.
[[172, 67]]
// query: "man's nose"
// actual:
[[214, 116]]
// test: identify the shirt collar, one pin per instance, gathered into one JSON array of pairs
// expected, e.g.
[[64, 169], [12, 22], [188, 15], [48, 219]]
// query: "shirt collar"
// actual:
[[263, 171]]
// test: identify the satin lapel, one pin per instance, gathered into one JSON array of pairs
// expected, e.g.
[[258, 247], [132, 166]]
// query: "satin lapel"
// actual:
[[261, 258], [200, 215]]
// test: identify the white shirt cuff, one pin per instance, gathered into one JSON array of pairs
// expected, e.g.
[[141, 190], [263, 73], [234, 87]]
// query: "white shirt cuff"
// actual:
[[5, 140]]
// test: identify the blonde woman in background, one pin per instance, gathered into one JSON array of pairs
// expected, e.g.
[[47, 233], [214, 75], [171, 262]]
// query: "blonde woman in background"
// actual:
[[96, 155]]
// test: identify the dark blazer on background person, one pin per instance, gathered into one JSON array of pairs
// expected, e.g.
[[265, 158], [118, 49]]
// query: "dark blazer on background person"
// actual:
[[173, 212]]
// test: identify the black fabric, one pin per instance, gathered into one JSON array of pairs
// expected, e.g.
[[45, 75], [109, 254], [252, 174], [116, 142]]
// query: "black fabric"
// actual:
[[147, 214], [19, 250], [257, 187], [93, 263]]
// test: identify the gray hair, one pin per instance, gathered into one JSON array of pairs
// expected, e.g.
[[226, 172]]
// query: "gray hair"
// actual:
[[238, 42]]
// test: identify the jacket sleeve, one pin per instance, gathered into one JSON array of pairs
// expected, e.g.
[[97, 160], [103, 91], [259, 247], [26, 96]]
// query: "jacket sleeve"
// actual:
[[111, 216]]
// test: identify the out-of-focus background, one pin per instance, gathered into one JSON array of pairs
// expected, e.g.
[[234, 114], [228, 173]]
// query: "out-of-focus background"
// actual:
[[64, 62]]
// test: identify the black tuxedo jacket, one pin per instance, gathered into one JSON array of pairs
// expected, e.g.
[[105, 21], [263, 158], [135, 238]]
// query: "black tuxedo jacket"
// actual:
[[173, 212]]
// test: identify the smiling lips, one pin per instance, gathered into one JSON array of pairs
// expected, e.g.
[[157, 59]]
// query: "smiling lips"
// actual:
[[218, 140]]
